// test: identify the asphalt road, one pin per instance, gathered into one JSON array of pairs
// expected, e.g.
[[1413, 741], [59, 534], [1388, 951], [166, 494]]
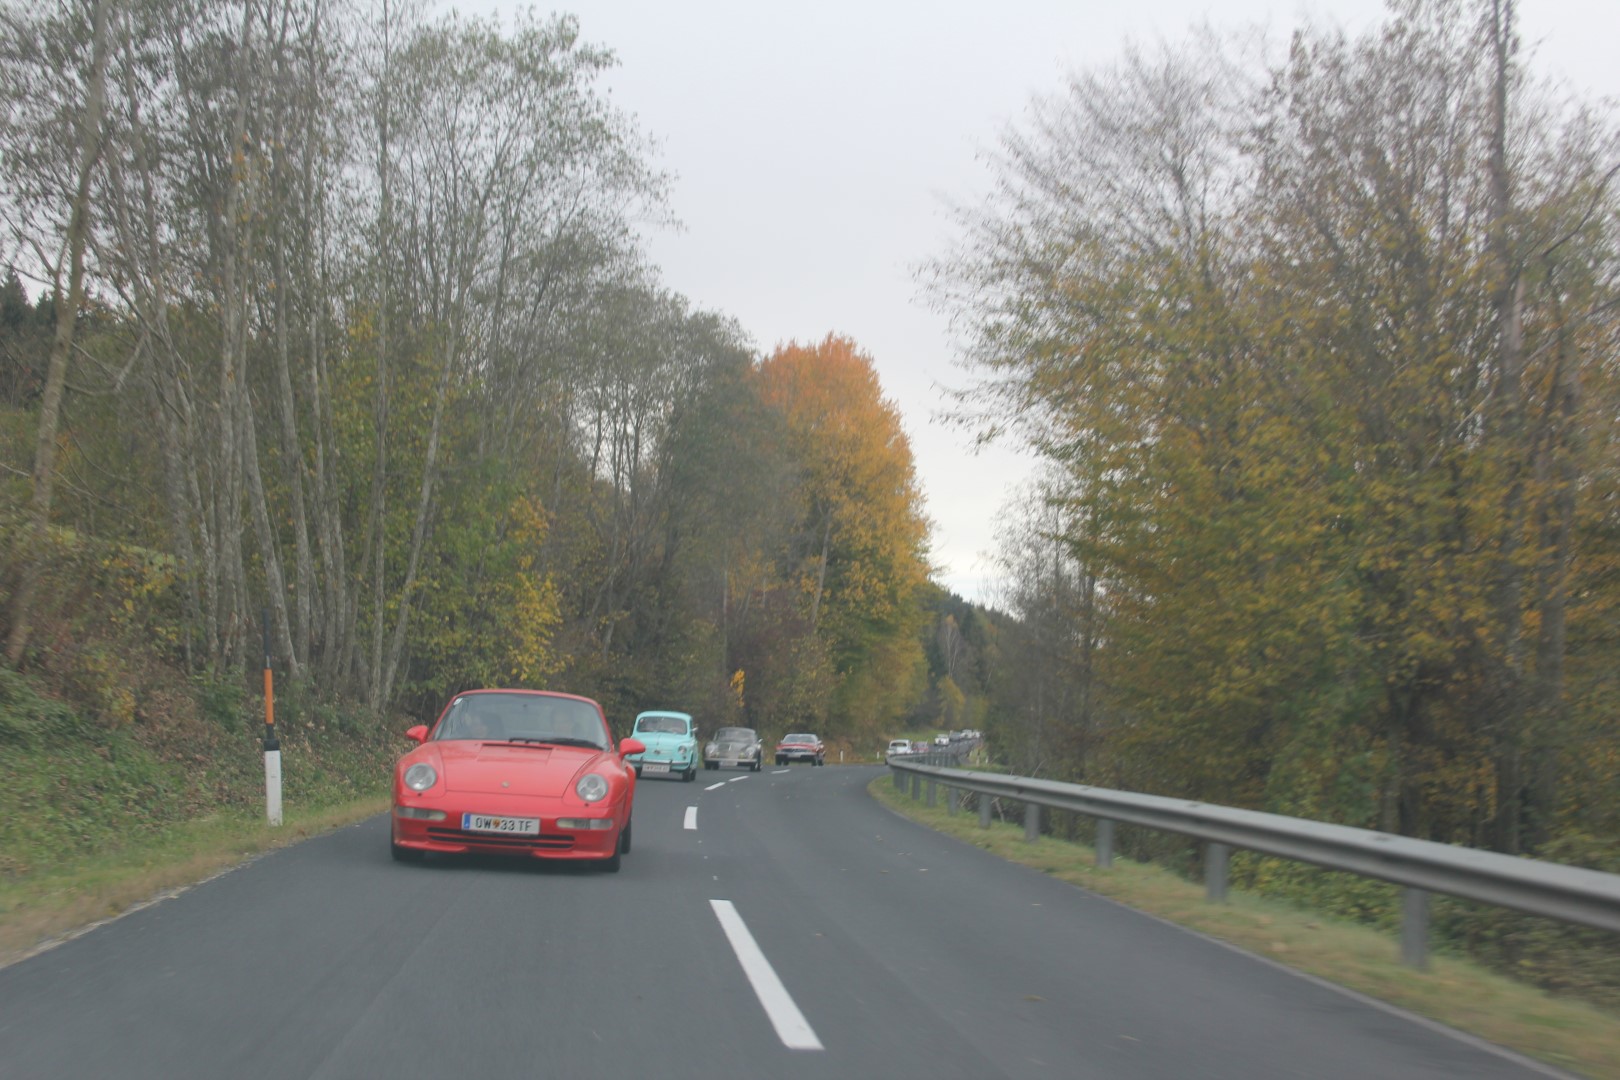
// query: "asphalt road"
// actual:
[[880, 949]]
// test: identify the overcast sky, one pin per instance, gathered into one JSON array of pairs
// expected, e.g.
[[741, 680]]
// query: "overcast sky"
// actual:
[[815, 147]]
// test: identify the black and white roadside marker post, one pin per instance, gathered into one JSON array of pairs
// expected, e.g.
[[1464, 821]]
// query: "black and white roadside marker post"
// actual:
[[272, 748]]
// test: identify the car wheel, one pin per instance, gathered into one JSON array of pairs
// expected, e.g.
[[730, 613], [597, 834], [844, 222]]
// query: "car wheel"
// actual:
[[624, 838], [612, 863], [638, 772], [691, 774], [405, 854], [757, 764]]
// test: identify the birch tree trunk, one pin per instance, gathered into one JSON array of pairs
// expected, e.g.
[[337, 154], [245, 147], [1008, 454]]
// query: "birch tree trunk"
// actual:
[[67, 313], [1508, 302]]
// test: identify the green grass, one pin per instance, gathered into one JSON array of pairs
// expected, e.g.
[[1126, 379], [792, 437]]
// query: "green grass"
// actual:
[[1564, 1032]]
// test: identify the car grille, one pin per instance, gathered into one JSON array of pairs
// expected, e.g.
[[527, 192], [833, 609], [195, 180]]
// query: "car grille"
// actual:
[[543, 842]]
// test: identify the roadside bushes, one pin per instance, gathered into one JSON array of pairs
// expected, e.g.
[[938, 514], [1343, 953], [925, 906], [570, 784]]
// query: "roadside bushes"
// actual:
[[28, 718]]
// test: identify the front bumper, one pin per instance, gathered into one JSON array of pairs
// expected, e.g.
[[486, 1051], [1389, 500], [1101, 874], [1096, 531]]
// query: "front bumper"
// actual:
[[676, 762], [663, 766], [552, 842], [718, 761]]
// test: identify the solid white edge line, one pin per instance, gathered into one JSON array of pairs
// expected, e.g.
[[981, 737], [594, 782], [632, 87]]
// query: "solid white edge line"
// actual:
[[791, 1026], [711, 787], [779, 772], [691, 817], [734, 779]]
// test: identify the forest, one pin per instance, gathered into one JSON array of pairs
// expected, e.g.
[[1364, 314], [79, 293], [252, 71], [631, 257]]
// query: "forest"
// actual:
[[341, 315]]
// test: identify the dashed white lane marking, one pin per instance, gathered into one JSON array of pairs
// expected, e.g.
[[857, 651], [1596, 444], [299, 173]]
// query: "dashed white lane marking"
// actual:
[[691, 817], [779, 772], [791, 1026], [734, 779], [711, 787]]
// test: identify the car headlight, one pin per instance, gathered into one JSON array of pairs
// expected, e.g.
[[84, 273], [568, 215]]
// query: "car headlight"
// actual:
[[420, 777], [591, 788], [711, 749]]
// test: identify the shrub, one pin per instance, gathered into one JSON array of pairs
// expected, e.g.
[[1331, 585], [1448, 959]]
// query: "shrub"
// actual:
[[27, 718]]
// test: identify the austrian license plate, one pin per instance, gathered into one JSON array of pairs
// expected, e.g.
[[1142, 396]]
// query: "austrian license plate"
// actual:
[[731, 762], [510, 826], [659, 767]]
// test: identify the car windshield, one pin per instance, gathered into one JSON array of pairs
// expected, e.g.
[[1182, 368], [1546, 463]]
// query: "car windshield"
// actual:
[[523, 718], [660, 725], [799, 738], [734, 734]]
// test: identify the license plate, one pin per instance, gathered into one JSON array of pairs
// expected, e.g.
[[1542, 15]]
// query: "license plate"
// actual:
[[729, 761], [510, 826], [650, 768]]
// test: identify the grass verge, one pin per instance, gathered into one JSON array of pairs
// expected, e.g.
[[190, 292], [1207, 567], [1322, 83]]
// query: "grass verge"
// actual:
[[54, 902], [1570, 1034]]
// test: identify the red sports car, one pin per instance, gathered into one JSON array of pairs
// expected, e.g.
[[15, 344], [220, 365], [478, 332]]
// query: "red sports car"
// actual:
[[521, 772]]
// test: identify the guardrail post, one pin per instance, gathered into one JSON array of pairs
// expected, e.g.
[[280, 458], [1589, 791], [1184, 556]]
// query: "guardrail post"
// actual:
[[899, 780], [916, 786], [1105, 843], [1215, 859], [1032, 822], [953, 801], [984, 809], [1415, 928], [933, 798]]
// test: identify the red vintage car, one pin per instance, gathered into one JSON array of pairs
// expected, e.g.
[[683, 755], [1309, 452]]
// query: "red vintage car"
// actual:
[[801, 748], [517, 772]]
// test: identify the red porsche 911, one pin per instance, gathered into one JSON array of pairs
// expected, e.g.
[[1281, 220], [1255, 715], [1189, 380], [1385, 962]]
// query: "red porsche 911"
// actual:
[[519, 772]]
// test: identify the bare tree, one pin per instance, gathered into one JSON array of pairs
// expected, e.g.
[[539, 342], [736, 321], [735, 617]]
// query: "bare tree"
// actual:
[[88, 146]]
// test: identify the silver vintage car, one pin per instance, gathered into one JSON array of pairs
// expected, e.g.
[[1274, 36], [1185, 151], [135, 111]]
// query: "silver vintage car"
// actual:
[[733, 747]]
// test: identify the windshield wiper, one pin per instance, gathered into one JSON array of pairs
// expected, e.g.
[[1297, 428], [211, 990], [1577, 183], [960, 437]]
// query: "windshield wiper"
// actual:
[[554, 740]]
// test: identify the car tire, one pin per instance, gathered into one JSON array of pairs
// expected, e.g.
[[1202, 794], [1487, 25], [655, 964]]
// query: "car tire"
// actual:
[[613, 863], [624, 838], [638, 772], [757, 764], [405, 854], [689, 775]]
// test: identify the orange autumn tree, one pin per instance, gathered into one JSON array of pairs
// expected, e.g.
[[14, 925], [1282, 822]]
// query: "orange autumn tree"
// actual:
[[859, 558]]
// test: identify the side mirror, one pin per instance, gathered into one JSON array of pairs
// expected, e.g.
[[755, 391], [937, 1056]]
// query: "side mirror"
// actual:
[[631, 746], [417, 733]]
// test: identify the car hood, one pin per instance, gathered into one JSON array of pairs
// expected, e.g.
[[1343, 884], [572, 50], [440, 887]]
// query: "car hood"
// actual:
[[663, 740], [512, 769]]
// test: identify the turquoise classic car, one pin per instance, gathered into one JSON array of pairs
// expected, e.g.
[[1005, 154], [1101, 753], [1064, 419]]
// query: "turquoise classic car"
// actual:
[[671, 741]]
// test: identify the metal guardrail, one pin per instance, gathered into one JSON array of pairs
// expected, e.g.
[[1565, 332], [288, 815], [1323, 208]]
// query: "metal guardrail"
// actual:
[[1569, 893]]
